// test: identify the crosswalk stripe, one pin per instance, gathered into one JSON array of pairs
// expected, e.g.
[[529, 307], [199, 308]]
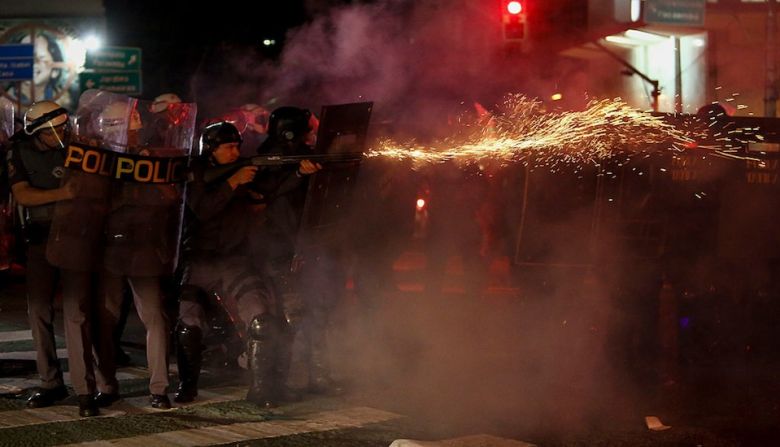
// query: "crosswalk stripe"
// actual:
[[35, 416], [15, 335], [30, 355], [244, 431], [132, 405], [16, 385], [222, 394]]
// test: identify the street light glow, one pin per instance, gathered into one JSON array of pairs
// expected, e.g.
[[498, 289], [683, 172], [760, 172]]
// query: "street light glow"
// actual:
[[92, 42], [636, 10]]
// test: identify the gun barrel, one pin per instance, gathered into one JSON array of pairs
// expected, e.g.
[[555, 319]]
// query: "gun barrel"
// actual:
[[277, 160], [215, 173]]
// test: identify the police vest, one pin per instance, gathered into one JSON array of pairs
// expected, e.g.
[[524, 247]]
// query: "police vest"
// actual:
[[44, 170]]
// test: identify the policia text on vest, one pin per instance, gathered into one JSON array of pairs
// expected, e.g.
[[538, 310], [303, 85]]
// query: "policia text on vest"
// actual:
[[127, 167]]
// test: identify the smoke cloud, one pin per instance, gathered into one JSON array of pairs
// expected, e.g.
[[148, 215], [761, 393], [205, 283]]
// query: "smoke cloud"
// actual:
[[553, 351], [413, 59], [528, 361]]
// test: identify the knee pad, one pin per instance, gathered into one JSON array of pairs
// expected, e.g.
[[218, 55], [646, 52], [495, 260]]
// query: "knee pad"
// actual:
[[294, 309], [264, 327]]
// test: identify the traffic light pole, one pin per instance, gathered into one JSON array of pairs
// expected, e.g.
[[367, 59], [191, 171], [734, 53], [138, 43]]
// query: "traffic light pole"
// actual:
[[656, 89]]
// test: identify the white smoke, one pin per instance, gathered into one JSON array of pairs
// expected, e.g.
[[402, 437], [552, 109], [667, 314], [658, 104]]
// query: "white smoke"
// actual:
[[413, 59]]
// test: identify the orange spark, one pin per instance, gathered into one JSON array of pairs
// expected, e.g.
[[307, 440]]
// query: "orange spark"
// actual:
[[524, 127]]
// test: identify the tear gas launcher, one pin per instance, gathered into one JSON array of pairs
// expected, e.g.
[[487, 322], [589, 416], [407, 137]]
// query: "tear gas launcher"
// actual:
[[222, 172]]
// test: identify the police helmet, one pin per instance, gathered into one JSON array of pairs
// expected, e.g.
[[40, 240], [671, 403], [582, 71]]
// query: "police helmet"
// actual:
[[44, 115], [289, 124], [216, 134], [119, 116], [161, 102], [255, 118]]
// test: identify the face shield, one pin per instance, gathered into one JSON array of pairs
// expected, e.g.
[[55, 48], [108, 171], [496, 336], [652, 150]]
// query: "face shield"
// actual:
[[119, 124], [55, 136], [49, 124], [7, 123]]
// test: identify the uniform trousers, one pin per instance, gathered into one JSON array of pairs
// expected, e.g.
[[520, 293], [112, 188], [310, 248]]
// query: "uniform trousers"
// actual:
[[77, 302], [149, 302]]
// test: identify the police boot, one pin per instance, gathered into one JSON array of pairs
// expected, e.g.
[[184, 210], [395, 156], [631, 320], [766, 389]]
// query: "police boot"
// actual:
[[188, 354], [282, 365], [263, 336], [320, 381]]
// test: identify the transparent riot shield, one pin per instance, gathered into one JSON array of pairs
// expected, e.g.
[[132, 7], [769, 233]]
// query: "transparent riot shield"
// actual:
[[127, 205], [7, 125], [76, 235], [146, 207]]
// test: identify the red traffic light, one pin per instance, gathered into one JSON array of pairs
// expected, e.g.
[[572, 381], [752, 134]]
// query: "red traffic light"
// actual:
[[514, 7]]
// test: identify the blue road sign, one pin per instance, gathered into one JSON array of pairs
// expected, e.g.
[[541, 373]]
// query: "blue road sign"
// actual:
[[16, 62]]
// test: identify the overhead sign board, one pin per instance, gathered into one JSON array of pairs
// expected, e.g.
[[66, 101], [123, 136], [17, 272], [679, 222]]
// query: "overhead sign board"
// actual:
[[128, 83], [675, 12], [113, 58], [16, 62]]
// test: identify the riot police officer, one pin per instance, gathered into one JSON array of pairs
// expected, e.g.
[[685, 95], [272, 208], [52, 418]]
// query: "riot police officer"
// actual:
[[138, 252], [218, 261], [315, 289], [35, 167]]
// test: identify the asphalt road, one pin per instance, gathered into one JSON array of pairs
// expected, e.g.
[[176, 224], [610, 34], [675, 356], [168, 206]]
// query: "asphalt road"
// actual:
[[507, 366]]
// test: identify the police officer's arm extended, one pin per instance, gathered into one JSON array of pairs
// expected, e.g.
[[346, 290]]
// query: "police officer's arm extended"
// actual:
[[220, 172]]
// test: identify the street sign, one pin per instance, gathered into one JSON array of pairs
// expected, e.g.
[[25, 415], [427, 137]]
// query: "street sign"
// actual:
[[113, 58], [128, 83], [16, 62], [675, 12]]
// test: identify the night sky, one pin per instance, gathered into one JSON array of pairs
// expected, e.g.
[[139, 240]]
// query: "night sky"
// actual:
[[416, 60], [173, 48]]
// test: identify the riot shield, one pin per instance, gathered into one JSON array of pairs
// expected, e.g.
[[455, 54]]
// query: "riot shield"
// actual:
[[128, 188], [342, 130], [6, 207], [7, 124], [143, 225], [76, 235], [7, 127]]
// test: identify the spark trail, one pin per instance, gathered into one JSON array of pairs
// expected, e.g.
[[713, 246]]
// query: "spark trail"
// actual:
[[523, 127]]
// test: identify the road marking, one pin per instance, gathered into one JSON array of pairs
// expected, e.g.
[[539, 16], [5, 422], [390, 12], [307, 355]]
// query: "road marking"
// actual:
[[133, 405], [15, 335], [205, 396], [16, 385], [30, 355], [465, 441], [56, 413], [244, 431]]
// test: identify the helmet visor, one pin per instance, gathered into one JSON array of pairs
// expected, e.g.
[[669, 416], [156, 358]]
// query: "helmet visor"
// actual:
[[55, 135]]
